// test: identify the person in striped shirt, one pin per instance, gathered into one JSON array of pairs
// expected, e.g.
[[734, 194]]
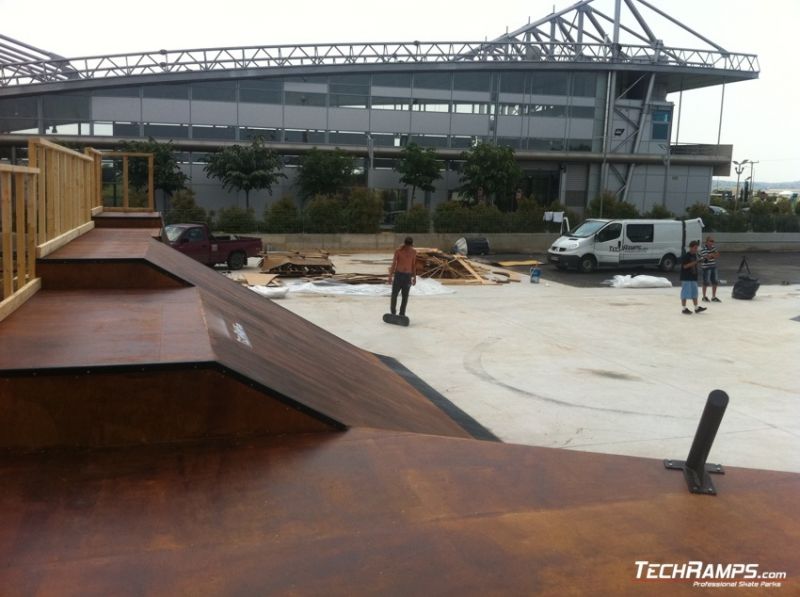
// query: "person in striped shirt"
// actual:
[[708, 264]]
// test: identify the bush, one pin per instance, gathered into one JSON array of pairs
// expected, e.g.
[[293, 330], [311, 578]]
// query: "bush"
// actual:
[[364, 211], [417, 219], [759, 207], [611, 207], [783, 206], [787, 223], [183, 209], [698, 210], [283, 217], [762, 222], [324, 215], [527, 218], [450, 216], [736, 222], [659, 212], [486, 218], [236, 219]]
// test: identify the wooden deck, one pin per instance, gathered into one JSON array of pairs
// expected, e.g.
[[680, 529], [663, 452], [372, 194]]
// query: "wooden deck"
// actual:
[[375, 513]]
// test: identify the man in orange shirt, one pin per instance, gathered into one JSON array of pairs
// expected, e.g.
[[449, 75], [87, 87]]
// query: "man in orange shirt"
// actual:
[[403, 274]]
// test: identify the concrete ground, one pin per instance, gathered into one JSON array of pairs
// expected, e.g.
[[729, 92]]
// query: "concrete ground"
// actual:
[[618, 371]]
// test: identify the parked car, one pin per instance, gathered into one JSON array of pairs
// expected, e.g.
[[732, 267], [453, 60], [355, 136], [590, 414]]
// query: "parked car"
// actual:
[[196, 241], [717, 210]]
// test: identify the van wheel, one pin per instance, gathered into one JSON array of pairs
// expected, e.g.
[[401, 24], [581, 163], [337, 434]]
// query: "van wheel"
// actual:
[[237, 260], [667, 263], [587, 264]]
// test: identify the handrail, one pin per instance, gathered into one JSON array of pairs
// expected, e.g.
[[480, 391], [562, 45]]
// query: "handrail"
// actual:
[[66, 194], [18, 228], [203, 60]]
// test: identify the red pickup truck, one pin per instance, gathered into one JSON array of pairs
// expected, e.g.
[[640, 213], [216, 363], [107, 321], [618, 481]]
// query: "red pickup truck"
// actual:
[[196, 241]]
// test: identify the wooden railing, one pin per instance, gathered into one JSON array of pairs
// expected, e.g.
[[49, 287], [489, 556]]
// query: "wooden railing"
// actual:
[[67, 193], [18, 194]]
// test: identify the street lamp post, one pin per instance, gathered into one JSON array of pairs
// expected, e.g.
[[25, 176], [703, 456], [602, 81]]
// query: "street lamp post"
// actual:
[[665, 159], [752, 179], [739, 167]]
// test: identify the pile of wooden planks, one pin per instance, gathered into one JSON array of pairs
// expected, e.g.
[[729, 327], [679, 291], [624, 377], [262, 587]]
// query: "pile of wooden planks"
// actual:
[[457, 269], [297, 265]]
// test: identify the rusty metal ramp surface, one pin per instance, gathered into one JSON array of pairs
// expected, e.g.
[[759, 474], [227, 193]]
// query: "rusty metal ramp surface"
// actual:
[[371, 512]]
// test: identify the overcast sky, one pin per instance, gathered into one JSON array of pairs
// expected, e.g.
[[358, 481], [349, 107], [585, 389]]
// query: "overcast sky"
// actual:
[[758, 119]]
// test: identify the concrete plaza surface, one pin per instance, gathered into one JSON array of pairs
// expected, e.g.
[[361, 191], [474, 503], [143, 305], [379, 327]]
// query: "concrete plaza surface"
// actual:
[[598, 369]]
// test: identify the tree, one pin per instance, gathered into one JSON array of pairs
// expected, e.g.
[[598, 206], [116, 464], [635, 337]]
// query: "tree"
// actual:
[[246, 167], [325, 172], [418, 168], [492, 172], [167, 175]]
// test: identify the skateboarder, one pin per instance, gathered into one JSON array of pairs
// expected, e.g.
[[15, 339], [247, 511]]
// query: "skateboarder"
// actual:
[[403, 274]]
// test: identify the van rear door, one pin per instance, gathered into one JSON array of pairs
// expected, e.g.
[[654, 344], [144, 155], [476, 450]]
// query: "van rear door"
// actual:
[[607, 244]]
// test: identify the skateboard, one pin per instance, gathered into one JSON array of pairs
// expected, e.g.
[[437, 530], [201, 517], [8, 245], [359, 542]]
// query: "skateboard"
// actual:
[[396, 319]]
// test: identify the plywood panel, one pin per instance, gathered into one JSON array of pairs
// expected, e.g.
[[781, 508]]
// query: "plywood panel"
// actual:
[[91, 408], [376, 513]]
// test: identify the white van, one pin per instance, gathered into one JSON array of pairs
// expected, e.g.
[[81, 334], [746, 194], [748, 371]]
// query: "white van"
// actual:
[[621, 243]]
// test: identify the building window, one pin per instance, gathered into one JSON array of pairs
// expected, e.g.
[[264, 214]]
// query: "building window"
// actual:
[[584, 84], [512, 82], [581, 111], [126, 129], [579, 145], [549, 83], [117, 92], [473, 108], [547, 110], [340, 100], [302, 98], [166, 131], [305, 136], [200, 131], [261, 91], [166, 91], [661, 120], [391, 80], [347, 138], [430, 105], [214, 91], [266, 134], [472, 81], [510, 110], [429, 140], [432, 80], [391, 103]]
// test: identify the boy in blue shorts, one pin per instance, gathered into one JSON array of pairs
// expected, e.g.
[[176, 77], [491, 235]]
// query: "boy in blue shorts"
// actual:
[[689, 279]]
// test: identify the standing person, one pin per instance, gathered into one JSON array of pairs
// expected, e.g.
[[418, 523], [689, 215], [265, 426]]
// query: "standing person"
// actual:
[[403, 274], [689, 279], [708, 263]]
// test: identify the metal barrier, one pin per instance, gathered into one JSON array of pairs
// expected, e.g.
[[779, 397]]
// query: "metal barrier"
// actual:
[[18, 226]]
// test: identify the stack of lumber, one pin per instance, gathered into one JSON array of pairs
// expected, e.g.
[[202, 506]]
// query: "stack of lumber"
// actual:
[[296, 265], [457, 269]]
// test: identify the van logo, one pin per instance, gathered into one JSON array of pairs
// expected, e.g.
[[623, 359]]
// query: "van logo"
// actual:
[[631, 248]]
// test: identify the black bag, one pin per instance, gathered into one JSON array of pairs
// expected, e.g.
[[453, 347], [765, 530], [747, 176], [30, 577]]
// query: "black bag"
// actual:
[[746, 286]]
